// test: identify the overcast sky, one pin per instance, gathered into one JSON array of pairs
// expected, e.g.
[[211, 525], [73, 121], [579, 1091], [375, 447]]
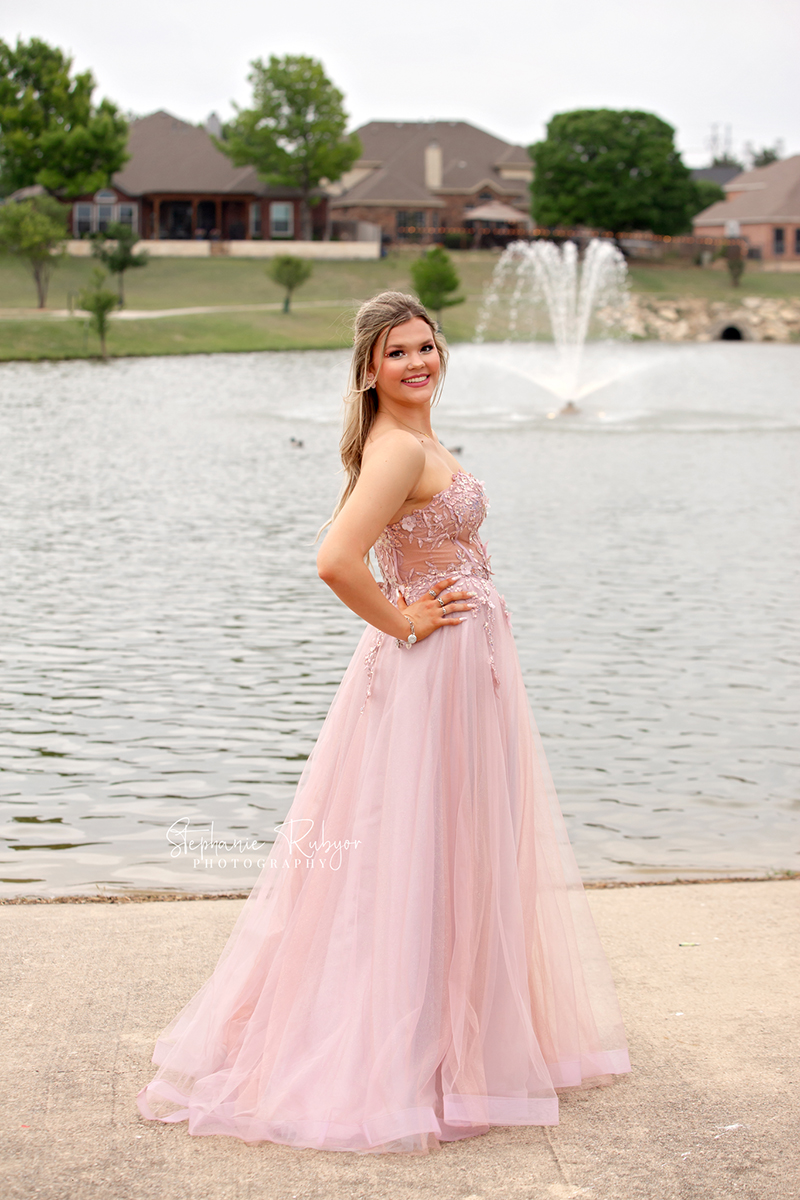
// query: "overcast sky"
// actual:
[[506, 65]]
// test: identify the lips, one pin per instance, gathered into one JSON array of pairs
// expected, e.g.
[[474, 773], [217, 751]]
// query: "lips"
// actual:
[[417, 380]]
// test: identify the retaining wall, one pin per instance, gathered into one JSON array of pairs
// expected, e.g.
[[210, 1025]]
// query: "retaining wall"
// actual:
[[329, 251], [758, 319]]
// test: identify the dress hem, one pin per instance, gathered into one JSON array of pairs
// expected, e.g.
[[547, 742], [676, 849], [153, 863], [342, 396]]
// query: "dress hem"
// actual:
[[409, 1130]]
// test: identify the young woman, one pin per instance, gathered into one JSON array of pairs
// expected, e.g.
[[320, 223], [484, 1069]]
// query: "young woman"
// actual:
[[417, 961]]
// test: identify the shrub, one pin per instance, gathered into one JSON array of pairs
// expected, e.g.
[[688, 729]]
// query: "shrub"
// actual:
[[98, 301], [435, 278], [290, 273]]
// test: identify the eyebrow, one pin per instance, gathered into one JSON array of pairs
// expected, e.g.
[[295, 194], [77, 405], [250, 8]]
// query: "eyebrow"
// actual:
[[428, 341]]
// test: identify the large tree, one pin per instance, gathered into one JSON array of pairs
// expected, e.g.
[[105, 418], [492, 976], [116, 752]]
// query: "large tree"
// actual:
[[50, 132], [613, 170], [294, 134]]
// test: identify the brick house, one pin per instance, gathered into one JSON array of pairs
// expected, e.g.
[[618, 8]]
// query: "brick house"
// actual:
[[425, 175], [763, 206], [178, 185]]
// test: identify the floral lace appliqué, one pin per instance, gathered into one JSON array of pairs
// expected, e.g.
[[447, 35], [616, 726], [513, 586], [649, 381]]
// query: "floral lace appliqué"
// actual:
[[430, 543]]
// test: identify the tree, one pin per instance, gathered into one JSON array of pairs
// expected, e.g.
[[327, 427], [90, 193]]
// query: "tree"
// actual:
[[114, 248], [735, 261], [613, 170], [35, 231], [765, 156], [708, 193], [50, 133], [98, 301], [294, 133], [726, 159], [434, 278], [289, 272]]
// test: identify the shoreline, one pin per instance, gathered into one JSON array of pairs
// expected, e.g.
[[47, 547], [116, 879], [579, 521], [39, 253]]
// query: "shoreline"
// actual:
[[197, 306], [299, 346], [142, 896]]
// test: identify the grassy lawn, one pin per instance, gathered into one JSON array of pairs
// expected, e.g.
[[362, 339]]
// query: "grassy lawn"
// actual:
[[673, 283], [322, 310], [321, 329], [183, 283]]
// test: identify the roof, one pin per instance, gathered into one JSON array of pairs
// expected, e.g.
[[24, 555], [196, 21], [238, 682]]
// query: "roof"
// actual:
[[495, 210], [719, 175], [25, 193], [392, 168], [389, 185], [170, 155], [765, 194]]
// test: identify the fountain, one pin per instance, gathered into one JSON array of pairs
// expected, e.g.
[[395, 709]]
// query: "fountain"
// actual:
[[540, 291]]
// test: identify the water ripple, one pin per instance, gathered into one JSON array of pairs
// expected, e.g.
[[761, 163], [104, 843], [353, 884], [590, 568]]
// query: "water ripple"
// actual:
[[168, 652]]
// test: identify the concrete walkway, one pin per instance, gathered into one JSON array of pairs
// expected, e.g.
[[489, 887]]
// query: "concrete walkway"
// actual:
[[710, 1111], [149, 314]]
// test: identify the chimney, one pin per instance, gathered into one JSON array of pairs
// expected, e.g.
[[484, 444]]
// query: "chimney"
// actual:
[[433, 165], [213, 125]]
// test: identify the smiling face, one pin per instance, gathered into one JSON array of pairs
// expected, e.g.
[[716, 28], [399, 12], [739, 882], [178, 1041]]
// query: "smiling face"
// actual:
[[407, 368]]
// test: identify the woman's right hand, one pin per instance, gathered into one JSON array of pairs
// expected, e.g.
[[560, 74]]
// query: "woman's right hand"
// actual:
[[436, 608]]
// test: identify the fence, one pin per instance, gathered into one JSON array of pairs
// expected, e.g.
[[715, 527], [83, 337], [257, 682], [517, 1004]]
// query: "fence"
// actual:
[[635, 243]]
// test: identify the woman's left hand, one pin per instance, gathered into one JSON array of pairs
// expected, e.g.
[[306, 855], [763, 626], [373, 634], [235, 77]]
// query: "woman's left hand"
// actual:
[[436, 608]]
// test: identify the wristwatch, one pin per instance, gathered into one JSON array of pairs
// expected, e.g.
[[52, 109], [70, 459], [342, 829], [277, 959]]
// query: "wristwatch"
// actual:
[[412, 637]]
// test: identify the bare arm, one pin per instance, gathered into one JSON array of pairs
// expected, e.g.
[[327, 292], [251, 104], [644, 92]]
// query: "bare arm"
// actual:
[[389, 473]]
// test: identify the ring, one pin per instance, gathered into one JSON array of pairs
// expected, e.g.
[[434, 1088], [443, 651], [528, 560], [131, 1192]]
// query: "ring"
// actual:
[[444, 606], [433, 593]]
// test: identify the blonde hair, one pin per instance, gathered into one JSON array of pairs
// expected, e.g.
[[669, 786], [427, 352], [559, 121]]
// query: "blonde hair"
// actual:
[[375, 318]]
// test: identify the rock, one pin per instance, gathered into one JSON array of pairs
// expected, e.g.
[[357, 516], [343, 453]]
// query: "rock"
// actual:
[[693, 319]]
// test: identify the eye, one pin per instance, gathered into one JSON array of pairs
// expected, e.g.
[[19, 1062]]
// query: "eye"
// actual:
[[428, 346]]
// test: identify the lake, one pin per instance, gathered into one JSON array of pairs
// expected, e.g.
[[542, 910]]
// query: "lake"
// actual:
[[169, 653]]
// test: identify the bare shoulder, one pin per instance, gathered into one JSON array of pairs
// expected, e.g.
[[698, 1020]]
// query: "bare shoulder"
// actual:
[[395, 447]]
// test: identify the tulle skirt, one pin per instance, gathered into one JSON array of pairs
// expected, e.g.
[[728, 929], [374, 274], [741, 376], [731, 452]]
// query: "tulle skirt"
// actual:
[[417, 961]]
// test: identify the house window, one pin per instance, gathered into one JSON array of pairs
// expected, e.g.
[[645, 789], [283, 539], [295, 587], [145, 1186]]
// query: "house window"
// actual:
[[96, 217], [255, 220], [485, 197], [281, 219], [409, 224], [82, 219], [797, 241], [778, 240]]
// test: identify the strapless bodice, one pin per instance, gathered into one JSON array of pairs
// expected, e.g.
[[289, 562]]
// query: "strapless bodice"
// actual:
[[437, 540]]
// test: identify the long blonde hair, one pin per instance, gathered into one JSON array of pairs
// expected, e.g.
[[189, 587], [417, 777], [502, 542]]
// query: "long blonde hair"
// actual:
[[375, 318]]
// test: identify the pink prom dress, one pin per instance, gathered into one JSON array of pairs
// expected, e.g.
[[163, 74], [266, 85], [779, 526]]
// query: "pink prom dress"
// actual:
[[417, 961]]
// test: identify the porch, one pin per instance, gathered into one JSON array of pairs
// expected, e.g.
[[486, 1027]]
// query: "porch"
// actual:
[[177, 218]]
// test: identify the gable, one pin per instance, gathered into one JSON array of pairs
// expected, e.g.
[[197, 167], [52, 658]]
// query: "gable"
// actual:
[[418, 162]]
